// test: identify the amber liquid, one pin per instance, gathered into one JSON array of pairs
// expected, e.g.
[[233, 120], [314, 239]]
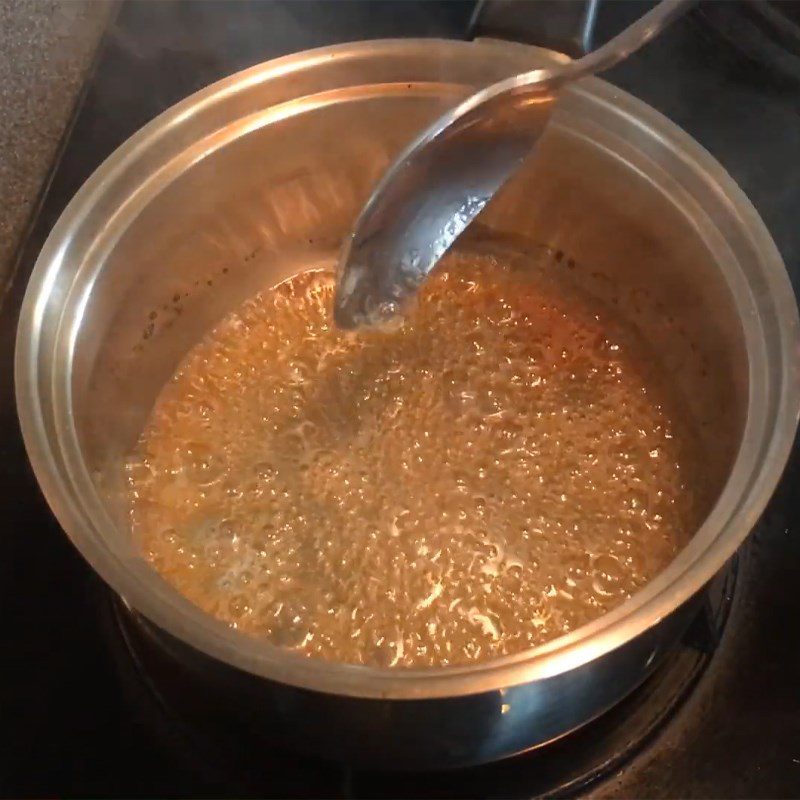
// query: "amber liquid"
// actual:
[[503, 468]]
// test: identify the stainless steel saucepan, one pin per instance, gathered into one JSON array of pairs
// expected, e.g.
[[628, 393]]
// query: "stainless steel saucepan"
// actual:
[[262, 175]]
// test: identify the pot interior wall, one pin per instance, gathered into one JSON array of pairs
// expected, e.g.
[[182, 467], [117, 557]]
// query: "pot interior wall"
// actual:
[[260, 200]]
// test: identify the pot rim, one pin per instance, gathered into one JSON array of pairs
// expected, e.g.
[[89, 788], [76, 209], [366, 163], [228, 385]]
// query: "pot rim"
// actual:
[[766, 440]]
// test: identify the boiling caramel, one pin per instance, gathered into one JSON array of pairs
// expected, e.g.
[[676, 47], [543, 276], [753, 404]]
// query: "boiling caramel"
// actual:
[[503, 468]]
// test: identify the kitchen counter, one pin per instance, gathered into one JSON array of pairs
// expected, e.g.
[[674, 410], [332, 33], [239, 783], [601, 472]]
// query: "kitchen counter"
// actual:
[[46, 50]]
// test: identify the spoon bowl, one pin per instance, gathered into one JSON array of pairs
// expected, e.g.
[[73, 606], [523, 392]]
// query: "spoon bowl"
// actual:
[[447, 176]]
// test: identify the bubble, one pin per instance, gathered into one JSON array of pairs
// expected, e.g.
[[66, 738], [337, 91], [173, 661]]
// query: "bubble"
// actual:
[[201, 463], [608, 574], [238, 606], [292, 635]]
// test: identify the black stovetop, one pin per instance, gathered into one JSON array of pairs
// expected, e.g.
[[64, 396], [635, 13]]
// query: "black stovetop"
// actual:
[[76, 725]]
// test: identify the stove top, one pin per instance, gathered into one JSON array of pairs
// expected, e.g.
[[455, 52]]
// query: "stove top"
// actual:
[[720, 719], [243, 759]]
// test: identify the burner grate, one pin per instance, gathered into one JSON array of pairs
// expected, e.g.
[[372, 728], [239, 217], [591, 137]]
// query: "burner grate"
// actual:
[[219, 752]]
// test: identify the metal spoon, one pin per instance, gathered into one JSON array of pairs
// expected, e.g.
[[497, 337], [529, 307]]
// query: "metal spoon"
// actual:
[[442, 181]]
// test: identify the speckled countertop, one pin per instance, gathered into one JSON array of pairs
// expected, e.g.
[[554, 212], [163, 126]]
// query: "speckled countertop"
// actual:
[[46, 47]]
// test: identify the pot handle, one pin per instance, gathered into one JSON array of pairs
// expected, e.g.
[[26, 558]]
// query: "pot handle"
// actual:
[[566, 26]]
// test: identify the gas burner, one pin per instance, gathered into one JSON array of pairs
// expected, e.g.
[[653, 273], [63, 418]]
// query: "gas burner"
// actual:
[[218, 751]]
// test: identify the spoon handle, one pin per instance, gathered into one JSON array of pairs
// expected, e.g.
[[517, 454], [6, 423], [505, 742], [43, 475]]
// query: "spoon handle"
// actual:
[[629, 40]]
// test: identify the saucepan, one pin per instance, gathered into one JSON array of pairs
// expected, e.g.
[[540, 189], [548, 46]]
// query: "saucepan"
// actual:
[[260, 176]]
